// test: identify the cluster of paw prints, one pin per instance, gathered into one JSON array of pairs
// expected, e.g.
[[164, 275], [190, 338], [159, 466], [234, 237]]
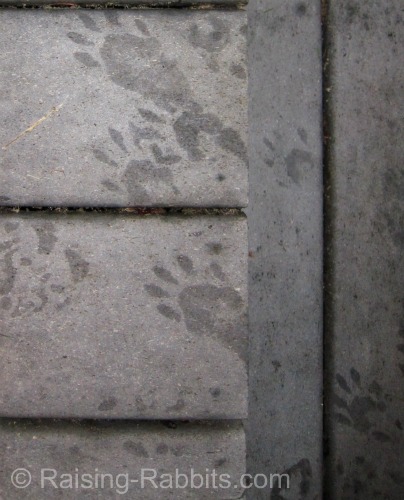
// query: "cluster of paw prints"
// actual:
[[205, 308], [169, 109], [39, 290], [136, 60]]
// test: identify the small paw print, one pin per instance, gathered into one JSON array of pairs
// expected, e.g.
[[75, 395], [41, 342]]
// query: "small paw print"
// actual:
[[210, 309], [296, 163], [355, 405], [141, 176]]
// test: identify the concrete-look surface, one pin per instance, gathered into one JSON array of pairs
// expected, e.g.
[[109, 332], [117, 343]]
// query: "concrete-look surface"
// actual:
[[285, 223], [365, 339], [127, 452], [123, 316], [134, 3], [123, 108]]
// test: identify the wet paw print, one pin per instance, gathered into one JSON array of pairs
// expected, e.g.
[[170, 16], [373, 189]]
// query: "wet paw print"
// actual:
[[356, 403], [126, 59], [366, 477], [8, 272], [301, 478], [207, 309], [140, 175], [132, 61], [136, 62], [297, 161], [36, 296], [41, 289]]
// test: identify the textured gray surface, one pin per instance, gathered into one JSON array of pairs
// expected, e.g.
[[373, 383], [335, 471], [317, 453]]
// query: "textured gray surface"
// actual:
[[140, 108], [121, 316], [153, 3], [285, 222], [120, 448], [365, 340]]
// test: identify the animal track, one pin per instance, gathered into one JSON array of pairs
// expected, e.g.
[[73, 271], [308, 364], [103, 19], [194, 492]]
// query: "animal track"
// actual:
[[8, 271], [367, 477], [170, 121], [301, 477], [208, 309], [296, 162], [357, 403], [140, 176], [39, 287], [136, 62]]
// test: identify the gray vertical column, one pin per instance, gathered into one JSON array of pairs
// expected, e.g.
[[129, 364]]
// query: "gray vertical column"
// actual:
[[285, 221], [364, 334]]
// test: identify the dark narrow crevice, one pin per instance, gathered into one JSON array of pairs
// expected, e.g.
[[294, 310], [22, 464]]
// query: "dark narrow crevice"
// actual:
[[169, 422], [189, 5], [116, 424], [184, 211], [328, 257]]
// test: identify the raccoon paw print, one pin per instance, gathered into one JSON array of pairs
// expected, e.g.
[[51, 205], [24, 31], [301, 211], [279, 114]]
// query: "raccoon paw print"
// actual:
[[208, 309], [355, 404], [296, 161], [7, 269], [355, 477], [39, 289], [126, 58], [141, 176], [35, 298], [137, 60]]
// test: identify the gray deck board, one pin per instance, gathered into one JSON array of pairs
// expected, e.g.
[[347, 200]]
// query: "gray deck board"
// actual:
[[285, 232], [364, 344], [108, 316], [127, 451], [125, 108]]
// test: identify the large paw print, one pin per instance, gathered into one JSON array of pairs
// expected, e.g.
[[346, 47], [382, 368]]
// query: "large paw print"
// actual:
[[190, 126], [136, 62], [356, 403], [208, 309]]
